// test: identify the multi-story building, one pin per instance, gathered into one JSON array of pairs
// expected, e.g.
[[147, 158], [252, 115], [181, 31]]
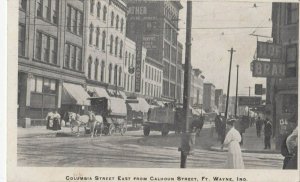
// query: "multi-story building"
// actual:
[[179, 75], [105, 36], [196, 88], [51, 60], [209, 97], [282, 94], [155, 25], [152, 79]]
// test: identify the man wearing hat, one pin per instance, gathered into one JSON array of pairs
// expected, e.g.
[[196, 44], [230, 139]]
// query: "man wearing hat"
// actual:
[[268, 133], [232, 140]]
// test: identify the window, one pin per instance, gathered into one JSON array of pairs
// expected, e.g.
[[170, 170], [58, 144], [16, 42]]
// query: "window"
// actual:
[[92, 2], [90, 67], [117, 22], [173, 73], [55, 11], [91, 34], [116, 46], [116, 75], [128, 79], [46, 48], [174, 37], [53, 49], [126, 58], [22, 36], [73, 57], [103, 41], [23, 4], [43, 85], [48, 10], [97, 37], [39, 10], [104, 13], [122, 24], [166, 69], [102, 71], [67, 56], [125, 76], [172, 90], [120, 76], [292, 13], [112, 19], [109, 73], [96, 69], [80, 23], [79, 58], [146, 71], [121, 49], [98, 9], [129, 57], [74, 25], [173, 55], [291, 60], [165, 88], [69, 11], [166, 50], [131, 85], [111, 44]]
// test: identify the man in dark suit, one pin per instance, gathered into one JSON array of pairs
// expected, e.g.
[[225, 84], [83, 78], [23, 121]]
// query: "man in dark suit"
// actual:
[[268, 134]]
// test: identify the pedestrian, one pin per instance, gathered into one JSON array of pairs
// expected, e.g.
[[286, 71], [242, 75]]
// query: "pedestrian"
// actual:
[[234, 155], [258, 126], [268, 133], [49, 119], [291, 125], [292, 144], [56, 120]]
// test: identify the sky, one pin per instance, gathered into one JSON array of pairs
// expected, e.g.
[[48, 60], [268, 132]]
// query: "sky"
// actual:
[[213, 36]]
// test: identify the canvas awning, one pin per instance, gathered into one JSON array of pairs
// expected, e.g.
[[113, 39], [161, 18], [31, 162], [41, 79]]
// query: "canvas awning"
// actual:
[[142, 105], [117, 106], [74, 94], [100, 91]]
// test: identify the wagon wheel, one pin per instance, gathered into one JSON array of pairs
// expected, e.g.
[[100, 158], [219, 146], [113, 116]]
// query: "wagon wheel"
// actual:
[[123, 129], [111, 129], [146, 130]]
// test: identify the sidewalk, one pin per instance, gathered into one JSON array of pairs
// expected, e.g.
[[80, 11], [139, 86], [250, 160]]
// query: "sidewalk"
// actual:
[[252, 143]]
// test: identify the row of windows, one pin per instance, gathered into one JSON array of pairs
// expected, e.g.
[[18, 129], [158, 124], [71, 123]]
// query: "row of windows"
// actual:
[[48, 10], [170, 34], [153, 74], [169, 89], [130, 58], [152, 90], [73, 57], [42, 85], [170, 53], [46, 48], [74, 20], [128, 82], [22, 36], [98, 7]]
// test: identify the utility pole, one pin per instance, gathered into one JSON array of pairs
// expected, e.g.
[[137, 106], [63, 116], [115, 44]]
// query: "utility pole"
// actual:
[[228, 87], [249, 103], [187, 83], [236, 92]]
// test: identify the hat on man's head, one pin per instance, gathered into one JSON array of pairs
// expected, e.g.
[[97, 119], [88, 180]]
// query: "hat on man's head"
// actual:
[[230, 122]]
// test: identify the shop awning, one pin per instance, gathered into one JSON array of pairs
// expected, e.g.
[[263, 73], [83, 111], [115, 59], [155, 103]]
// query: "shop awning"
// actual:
[[142, 105], [74, 94], [117, 106], [100, 92], [123, 94]]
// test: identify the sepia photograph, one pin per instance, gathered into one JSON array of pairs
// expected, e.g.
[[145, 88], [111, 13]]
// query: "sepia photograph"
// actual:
[[156, 84]]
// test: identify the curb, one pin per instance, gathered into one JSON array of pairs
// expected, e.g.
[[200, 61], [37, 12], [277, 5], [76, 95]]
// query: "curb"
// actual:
[[218, 149]]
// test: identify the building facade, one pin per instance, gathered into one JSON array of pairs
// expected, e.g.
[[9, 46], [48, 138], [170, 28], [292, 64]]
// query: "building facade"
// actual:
[[208, 97], [155, 25], [218, 98], [197, 88], [282, 94], [45, 67]]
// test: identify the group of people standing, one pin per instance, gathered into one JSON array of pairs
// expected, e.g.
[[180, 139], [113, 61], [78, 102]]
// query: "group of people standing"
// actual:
[[53, 120]]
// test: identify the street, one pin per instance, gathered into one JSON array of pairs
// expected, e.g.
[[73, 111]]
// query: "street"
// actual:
[[132, 150]]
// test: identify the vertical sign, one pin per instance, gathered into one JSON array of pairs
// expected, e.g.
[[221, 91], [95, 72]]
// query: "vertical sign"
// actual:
[[139, 55], [268, 50]]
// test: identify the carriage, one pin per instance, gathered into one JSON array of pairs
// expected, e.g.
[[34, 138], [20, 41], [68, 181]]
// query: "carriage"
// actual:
[[113, 111]]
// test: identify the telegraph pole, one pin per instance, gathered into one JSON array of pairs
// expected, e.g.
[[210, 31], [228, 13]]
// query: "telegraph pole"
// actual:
[[228, 87], [249, 103], [236, 91], [187, 82]]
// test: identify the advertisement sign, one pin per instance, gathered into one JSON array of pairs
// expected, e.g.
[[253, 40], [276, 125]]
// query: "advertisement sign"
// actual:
[[267, 50], [249, 101], [258, 89], [268, 69], [138, 65]]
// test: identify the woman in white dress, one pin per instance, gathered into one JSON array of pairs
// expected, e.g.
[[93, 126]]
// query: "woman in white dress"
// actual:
[[232, 140]]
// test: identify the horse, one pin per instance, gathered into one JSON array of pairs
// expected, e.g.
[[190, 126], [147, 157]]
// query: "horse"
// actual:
[[76, 120], [95, 124]]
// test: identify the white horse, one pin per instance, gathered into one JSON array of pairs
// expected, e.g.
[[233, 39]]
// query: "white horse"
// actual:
[[95, 124]]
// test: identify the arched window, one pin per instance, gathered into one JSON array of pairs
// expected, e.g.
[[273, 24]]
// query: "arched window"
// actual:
[[126, 58], [102, 71], [121, 49], [109, 73], [97, 37], [104, 13], [133, 61], [129, 57], [96, 69], [117, 22], [91, 34], [112, 19], [116, 46], [98, 9], [90, 61], [120, 76], [92, 2], [111, 44], [103, 41], [116, 75], [122, 24]]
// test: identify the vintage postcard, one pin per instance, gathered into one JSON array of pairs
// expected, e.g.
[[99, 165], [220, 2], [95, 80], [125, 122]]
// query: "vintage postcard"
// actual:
[[152, 91]]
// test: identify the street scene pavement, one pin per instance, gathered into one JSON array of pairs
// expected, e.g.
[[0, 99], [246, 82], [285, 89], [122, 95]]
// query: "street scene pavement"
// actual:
[[39, 147]]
